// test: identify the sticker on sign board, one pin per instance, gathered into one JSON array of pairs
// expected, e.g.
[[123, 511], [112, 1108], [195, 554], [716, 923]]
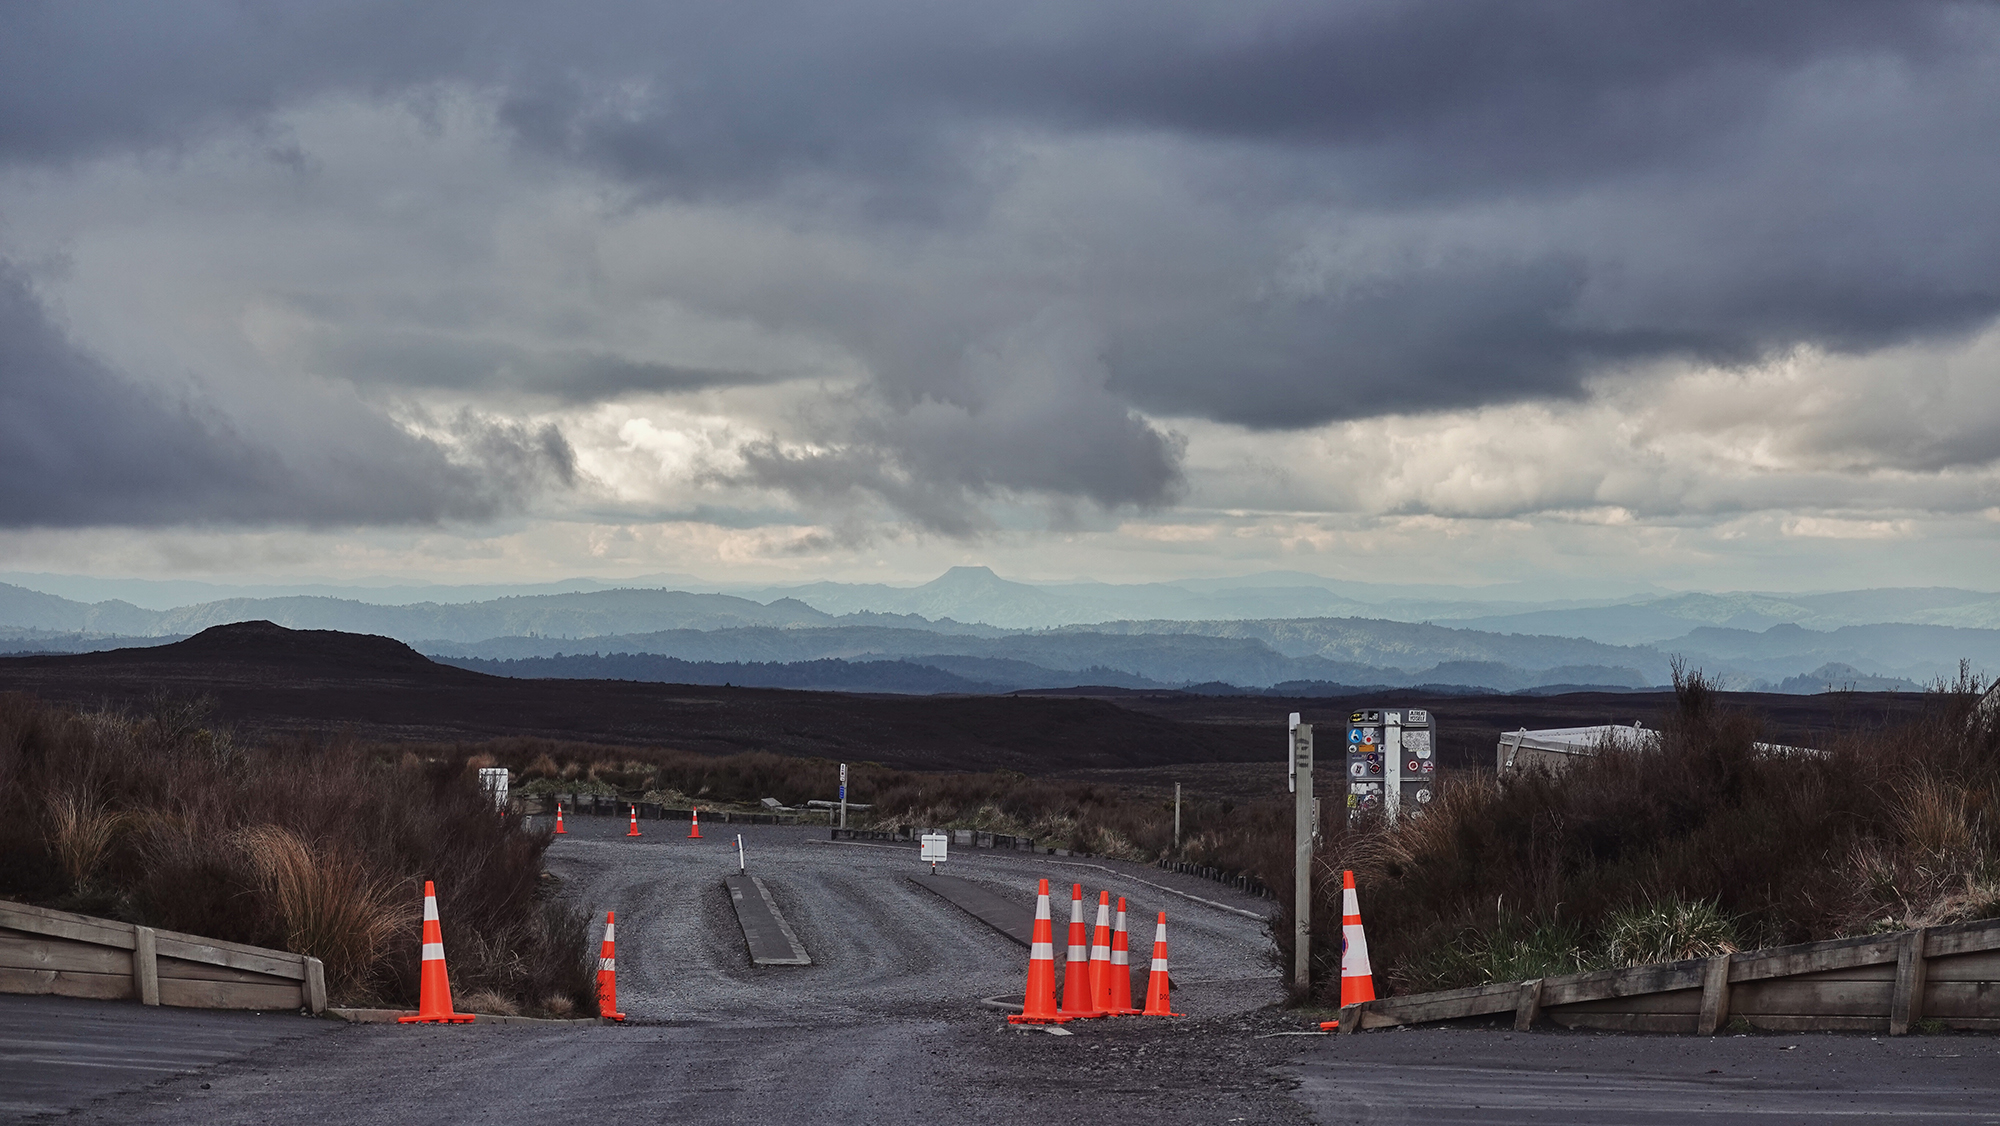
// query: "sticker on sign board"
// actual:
[[1370, 801], [1428, 767], [1354, 734], [1356, 769], [1418, 742], [1416, 716], [1368, 737], [1424, 794]]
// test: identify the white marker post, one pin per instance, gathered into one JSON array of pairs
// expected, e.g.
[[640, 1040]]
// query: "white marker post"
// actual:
[[843, 795], [1392, 762], [934, 849], [740, 869]]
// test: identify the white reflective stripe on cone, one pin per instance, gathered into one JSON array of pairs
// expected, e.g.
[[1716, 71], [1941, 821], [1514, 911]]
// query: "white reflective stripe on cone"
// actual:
[[606, 965], [1121, 957], [1160, 933], [433, 952], [1354, 962], [1042, 952], [1079, 953], [430, 909], [1159, 965], [1350, 903], [1042, 909], [610, 932]]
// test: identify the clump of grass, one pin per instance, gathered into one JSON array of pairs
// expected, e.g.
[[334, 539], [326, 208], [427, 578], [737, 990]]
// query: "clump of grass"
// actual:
[[1667, 930], [81, 831], [328, 904]]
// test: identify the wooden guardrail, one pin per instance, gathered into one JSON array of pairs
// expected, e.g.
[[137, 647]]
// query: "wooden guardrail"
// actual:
[[45, 951], [1949, 975]]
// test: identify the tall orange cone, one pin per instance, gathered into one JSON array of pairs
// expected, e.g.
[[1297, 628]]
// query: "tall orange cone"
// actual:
[[560, 831], [1357, 978], [1120, 1003], [1077, 998], [434, 987], [1100, 955], [1157, 982], [607, 970], [1039, 1006], [694, 833]]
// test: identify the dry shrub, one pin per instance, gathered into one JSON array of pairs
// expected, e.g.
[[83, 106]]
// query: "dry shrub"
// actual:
[[81, 832], [488, 1002], [327, 903], [1933, 816]]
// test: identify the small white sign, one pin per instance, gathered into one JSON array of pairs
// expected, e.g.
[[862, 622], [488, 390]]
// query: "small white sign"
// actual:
[[933, 847]]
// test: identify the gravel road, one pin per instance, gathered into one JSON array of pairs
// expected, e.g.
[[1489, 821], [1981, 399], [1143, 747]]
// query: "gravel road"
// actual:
[[886, 1027]]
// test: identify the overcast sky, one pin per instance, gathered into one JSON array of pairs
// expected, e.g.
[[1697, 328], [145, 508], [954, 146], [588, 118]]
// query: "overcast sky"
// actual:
[[1702, 295]]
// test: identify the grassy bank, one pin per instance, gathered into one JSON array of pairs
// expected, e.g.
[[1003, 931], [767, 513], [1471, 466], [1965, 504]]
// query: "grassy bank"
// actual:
[[1710, 844], [311, 846]]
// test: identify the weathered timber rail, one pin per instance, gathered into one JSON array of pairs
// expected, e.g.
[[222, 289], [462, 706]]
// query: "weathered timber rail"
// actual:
[[1949, 975], [46, 951]]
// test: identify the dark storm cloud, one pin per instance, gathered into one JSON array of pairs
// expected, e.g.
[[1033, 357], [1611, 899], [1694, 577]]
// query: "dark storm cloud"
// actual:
[[79, 445], [1506, 198], [406, 358]]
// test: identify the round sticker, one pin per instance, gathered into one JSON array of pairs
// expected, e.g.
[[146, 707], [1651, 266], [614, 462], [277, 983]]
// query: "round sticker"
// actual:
[[1429, 766], [1357, 769], [1424, 794], [1369, 801], [1354, 734], [1368, 737], [1415, 767]]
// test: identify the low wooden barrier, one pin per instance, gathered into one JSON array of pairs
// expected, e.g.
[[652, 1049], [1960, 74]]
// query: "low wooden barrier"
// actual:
[[45, 951], [1948, 975]]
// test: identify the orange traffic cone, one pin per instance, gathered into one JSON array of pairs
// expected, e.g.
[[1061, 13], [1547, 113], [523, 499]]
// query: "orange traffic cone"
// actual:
[[1357, 979], [1077, 998], [694, 833], [607, 971], [560, 831], [635, 823], [1120, 1003], [1157, 982], [1100, 955], [434, 987], [1039, 1006]]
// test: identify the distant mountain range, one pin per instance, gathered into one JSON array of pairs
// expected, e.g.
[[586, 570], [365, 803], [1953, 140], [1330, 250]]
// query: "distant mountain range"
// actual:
[[970, 630]]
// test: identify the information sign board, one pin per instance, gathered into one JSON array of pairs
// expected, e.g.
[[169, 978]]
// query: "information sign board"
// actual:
[[934, 847]]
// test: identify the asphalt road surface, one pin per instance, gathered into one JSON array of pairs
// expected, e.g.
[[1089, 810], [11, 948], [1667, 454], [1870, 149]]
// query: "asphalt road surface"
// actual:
[[887, 1026]]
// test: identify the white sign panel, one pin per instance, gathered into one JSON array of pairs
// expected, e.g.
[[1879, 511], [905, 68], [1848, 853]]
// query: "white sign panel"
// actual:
[[933, 847]]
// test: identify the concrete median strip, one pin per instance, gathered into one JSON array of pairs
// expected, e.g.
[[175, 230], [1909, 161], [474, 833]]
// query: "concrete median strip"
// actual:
[[765, 931], [1002, 914]]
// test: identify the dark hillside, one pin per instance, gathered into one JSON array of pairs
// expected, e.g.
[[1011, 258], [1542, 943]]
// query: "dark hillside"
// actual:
[[266, 679]]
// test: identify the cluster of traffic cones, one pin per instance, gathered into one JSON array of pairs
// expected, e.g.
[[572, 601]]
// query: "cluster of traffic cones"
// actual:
[[1357, 977], [1097, 979]]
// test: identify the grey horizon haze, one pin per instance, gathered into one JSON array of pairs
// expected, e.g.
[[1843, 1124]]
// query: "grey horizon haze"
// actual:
[[1697, 295]]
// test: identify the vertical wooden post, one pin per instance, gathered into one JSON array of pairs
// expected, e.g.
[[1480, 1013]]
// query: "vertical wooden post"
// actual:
[[1714, 996], [1302, 858], [1350, 1020], [1906, 1004], [1177, 817], [1529, 1006], [315, 986], [145, 966]]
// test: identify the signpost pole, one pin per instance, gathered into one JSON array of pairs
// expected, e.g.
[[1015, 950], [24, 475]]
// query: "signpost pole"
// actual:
[[1177, 817], [1302, 852], [843, 795], [1392, 765]]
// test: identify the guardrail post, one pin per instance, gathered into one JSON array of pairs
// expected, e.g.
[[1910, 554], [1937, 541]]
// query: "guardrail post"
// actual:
[[145, 966], [1714, 996], [1906, 1004], [1529, 1006], [315, 986]]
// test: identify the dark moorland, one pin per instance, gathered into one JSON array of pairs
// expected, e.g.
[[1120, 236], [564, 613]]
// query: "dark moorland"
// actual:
[[264, 679]]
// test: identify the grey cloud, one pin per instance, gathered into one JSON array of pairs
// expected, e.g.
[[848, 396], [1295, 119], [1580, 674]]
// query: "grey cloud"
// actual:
[[80, 445], [410, 358], [1582, 187]]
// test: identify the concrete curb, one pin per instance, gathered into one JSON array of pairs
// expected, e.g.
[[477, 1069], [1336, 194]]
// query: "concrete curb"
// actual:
[[770, 939], [388, 1016]]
